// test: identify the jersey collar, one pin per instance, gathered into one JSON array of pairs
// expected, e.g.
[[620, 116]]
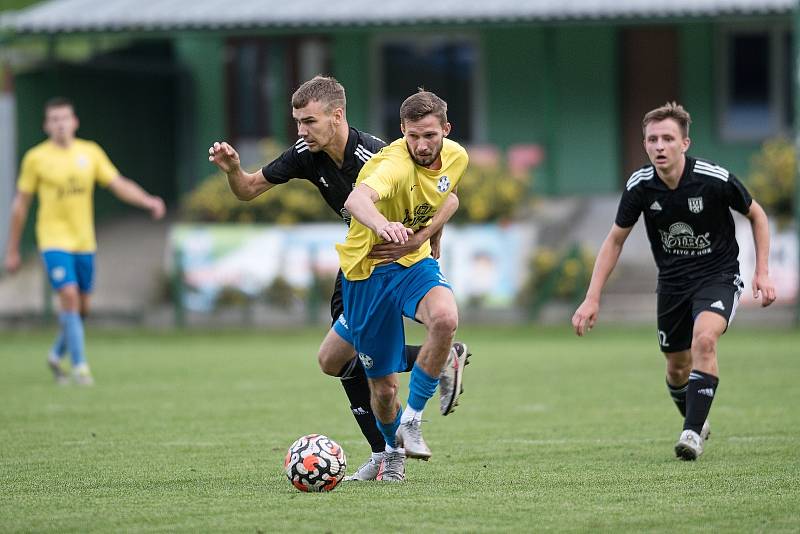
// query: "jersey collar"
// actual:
[[659, 184]]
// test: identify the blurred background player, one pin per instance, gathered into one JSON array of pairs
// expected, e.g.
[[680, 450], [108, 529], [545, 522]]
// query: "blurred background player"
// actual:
[[397, 194], [686, 204], [62, 172], [330, 154]]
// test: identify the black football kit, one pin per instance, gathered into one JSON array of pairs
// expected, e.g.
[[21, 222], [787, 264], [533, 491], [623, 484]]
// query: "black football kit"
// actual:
[[693, 239]]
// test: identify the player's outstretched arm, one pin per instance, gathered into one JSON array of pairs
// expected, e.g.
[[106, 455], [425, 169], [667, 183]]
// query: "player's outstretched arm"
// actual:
[[19, 212], [394, 251], [762, 283], [586, 315], [130, 192], [245, 185], [361, 205]]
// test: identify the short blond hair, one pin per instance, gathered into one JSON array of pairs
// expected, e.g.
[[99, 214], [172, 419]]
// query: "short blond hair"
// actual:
[[670, 110]]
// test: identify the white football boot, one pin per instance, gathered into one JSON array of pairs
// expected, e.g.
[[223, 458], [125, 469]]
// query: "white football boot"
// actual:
[[393, 466], [689, 446], [368, 471], [705, 432], [451, 377], [409, 436], [54, 364]]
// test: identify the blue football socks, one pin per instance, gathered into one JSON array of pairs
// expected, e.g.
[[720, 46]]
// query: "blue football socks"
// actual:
[[421, 388], [72, 327], [389, 430], [59, 348]]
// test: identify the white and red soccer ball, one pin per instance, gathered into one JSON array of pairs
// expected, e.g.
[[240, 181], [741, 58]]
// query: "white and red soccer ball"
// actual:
[[315, 463]]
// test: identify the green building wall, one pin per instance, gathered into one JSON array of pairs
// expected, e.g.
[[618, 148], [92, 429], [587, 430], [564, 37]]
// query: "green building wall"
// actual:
[[202, 104], [350, 55], [699, 95], [557, 87]]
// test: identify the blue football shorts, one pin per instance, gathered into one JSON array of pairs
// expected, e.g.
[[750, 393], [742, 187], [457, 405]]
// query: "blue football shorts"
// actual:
[[65, 268], [374, 309]]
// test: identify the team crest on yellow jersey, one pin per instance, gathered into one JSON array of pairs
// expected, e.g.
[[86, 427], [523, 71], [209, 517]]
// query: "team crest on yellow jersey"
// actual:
[[444, 184]]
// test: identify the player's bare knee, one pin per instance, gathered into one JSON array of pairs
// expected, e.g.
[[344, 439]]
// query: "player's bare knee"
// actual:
[[384, 392], [443, 323], [704, 343], [324, 360], [679, 375], [69, 298]]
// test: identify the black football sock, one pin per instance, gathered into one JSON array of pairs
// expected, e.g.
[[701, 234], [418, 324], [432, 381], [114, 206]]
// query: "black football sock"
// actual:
[[412, 352], [699, 396], [678, 394], [354, 382]]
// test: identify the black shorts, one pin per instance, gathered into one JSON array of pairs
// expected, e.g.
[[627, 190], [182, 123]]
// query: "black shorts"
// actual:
[[337, 306], [677, 312]]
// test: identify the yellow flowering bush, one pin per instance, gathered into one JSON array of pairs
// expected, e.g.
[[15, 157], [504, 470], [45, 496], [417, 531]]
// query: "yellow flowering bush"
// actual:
[[561, 274], [490, 193], [772, 178]]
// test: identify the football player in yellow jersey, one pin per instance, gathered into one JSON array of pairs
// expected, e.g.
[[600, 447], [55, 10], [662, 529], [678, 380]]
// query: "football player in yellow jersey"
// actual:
[[397, 193], [62, 172]]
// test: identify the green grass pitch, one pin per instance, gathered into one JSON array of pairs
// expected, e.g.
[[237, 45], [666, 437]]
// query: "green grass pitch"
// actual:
[[186, 431]]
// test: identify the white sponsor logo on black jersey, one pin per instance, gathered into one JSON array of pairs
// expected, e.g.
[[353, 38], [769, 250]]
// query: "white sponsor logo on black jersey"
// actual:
[[655, 206], [680, 239]]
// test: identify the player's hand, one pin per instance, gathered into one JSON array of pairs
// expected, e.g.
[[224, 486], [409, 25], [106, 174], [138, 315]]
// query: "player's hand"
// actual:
[[585, 316], [157, 208], [224, 156], [12, 261], [763, 286], [395, 232], [389, 252]]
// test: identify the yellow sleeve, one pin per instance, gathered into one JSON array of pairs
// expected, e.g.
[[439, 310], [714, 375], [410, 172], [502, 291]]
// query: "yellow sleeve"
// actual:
[[28, 179], [105, 171], [385, 178]]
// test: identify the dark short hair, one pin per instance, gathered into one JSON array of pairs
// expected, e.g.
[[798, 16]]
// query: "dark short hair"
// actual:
[[670, 110], [422, 104], [324, 89], [58, 102]]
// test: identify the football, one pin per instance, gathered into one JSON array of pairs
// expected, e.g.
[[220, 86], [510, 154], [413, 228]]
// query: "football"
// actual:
[[315, 463]]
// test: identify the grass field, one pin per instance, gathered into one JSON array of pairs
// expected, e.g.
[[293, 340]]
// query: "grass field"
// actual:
[[187, 432]]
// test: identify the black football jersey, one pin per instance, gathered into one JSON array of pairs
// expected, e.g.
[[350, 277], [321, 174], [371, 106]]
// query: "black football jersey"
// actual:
[[334, 184], [690, 228]]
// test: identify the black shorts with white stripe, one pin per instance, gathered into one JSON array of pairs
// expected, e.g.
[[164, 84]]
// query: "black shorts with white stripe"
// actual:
[[678, 312]]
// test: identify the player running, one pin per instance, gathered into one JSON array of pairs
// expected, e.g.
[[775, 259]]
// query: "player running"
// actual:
[[686, 204]]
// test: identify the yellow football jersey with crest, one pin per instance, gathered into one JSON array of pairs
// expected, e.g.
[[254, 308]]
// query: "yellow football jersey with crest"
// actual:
[[64, 179], [408, 193]]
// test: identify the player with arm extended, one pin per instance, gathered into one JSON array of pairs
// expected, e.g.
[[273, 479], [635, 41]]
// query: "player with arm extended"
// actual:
[[397, 195], [329, 153], [62, 171], [687, 205]]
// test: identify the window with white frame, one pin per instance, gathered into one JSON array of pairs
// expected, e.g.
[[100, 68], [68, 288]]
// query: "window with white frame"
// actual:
[[448, 66], [755, 82]]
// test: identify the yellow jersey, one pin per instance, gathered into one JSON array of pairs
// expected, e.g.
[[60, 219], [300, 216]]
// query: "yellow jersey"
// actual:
[[408, 193], [63, 179]]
